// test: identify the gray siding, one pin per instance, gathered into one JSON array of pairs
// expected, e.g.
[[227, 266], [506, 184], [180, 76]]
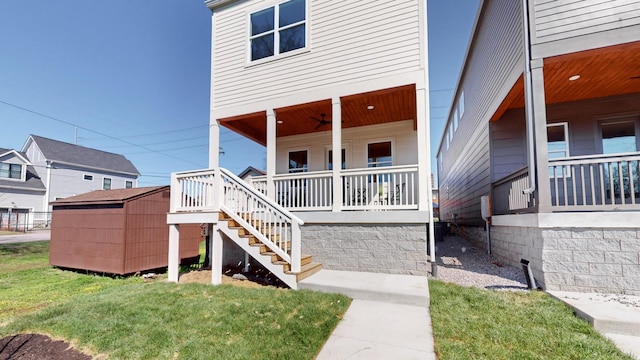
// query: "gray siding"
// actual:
[[561, 19], [494, 63]]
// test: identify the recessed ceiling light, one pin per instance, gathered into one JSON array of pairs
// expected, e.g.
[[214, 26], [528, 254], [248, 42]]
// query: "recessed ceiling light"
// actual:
[[574, 78], [280, 121], [370, 107]]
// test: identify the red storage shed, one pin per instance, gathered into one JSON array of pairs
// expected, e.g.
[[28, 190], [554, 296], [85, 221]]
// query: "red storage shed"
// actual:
[[120, 231]]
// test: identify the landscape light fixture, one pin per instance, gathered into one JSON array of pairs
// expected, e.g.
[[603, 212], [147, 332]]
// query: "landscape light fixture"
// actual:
[[370, 107], [574, 78]]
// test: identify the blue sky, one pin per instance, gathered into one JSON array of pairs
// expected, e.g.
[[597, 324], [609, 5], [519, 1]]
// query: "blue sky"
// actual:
[[129, 73]]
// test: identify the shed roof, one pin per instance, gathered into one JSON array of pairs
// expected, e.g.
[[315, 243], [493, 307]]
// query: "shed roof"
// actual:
[[55, 150], [113, 196]]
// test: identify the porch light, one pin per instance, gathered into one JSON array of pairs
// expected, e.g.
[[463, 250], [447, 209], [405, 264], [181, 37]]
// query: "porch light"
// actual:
[[279, 121], [370, 107], [574, 78]]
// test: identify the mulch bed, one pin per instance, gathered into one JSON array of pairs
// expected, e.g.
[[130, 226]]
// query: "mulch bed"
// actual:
[[38, 347]]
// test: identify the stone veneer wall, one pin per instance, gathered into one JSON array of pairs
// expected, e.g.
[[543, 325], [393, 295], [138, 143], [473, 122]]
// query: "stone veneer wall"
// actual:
[[384, 248], [574, 259]]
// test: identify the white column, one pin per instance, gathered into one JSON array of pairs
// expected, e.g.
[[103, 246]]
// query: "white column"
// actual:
[[336, 147], [216, 255], [424, 163], [214, 143], [271, 153], [47, 190], [174, 252]]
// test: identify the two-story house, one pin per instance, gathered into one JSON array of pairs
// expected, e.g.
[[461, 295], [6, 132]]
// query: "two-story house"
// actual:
[[46, 170], [337, 92], [546, 121]]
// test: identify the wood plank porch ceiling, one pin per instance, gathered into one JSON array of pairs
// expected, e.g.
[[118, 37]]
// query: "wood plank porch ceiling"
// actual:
[[603, 72], [389, 105]]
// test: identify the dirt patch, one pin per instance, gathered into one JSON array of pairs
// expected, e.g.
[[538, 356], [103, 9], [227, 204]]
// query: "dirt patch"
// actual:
[[204, 277], [256, 277], [38, 347]]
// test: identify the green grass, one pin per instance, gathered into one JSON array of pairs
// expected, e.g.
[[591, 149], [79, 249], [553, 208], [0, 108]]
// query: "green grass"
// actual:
[[126, 318], [471, 323]]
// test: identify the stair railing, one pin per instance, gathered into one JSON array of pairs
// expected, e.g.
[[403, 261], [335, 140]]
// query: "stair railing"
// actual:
[[273, 225]]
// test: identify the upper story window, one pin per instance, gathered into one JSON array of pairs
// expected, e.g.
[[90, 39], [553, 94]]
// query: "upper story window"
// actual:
[[298, 161], [88, 177], [128, 184], [10, 171], [278, 29], [106, 183]]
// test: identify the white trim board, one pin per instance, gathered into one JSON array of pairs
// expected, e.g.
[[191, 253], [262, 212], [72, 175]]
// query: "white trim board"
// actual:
[[627, 219]]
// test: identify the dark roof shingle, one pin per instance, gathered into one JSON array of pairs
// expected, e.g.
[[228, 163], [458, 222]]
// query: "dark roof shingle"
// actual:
[[79, 155]]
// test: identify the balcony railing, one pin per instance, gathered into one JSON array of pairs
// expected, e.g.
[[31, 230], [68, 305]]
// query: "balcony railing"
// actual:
[[581, 183], [597, 182], [508, 194], [382, 188]]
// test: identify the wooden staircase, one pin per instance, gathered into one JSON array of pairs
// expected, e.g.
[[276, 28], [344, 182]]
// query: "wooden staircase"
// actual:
[[272, 261]]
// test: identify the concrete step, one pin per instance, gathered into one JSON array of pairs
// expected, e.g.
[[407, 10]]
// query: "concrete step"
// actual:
[[399, 289]]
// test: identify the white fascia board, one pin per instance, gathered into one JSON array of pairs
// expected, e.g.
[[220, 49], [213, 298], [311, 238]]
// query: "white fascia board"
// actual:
[[17, 154], [215, 4], [21, 188]]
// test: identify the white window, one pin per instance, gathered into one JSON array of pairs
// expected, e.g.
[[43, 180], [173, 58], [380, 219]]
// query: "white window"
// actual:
[[128, 184], [455, 120], [106, 183], [461, 105], [278, 29], [379, 154], [618, 137], [558, 146], [343, 165], [10, 171], [298, 161], [557, 140], [88, 177]]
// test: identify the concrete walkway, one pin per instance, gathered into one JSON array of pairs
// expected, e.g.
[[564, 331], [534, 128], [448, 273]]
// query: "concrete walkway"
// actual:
[[615, 316], [34, 235], [388, 317]]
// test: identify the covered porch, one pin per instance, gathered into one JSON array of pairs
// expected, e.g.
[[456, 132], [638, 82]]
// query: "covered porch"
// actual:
[[585, 136], [377, 141]]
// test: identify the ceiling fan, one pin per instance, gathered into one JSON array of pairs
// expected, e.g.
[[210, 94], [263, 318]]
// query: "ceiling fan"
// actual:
[[321, 122]]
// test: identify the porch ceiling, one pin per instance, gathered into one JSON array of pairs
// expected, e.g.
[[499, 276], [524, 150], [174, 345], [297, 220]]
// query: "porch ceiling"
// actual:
[[389, 105], [603, 72]]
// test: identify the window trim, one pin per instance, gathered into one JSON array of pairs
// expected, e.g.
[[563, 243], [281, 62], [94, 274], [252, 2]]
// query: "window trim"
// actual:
[[288, 164], [634, 118], [376, 141], [347, 155], [126, 182], [567, 151], [110, 183], [84, 177], [276, 31], [23, 169]]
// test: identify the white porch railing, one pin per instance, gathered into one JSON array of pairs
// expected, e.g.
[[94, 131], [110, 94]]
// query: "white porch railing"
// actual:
[[597, 182], [273, 225], [381, 188]]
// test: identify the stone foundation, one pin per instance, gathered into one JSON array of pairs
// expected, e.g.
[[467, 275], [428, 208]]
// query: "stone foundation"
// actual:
[[572, 259], [383, 248]]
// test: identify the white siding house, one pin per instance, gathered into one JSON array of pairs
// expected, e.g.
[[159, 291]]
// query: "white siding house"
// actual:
[[21, 190], [319, 83], [551, 132]]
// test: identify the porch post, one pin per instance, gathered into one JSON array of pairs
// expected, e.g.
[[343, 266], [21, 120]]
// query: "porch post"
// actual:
[[216, 254], [174, 253], [424, 164], [214, 143], [336, 147], [543, 195], [271, 153]]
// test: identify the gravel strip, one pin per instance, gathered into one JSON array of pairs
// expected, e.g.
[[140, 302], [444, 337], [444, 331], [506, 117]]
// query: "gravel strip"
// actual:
[[464, 264]]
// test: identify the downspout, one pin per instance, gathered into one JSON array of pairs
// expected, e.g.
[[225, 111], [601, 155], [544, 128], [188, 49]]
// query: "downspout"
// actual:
[[528, 94]]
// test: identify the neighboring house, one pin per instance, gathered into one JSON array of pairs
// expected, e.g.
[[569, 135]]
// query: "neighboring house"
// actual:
[[337, 91], [21, 190], [546, 120], [250, 172], [68, 169]]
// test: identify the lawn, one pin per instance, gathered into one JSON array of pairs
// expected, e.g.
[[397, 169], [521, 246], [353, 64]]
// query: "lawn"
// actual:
[[470, 323], [126, 318]]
